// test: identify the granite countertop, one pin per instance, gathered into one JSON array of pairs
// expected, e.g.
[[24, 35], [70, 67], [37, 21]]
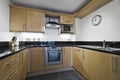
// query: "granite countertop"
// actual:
[[7, 51], [110, 50]]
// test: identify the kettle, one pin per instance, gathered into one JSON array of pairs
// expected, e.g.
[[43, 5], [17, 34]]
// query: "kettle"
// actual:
[[13, 41]]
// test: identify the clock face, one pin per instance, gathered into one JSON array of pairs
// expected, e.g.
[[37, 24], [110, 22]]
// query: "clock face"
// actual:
[[96, 20]]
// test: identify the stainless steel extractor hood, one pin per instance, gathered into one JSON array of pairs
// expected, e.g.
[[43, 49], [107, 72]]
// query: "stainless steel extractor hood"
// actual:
[[52, 22]]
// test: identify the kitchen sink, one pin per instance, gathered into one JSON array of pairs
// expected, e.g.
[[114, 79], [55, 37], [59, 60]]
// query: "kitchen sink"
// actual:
[[109, 49], [101, 48]]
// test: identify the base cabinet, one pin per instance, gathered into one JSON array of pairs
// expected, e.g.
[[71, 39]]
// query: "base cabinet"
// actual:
[[9, 69], [67, 56], [23, 64], [14, 67], [36, 59], [95, 65], [79, 61]]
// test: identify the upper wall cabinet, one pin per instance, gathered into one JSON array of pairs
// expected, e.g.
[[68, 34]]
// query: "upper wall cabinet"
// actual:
[[35, 21], [26, 20], [18, 18], [92, 6], [67, 19]]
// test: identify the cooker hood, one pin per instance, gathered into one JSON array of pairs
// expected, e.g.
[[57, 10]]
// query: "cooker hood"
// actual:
[[52, 22]]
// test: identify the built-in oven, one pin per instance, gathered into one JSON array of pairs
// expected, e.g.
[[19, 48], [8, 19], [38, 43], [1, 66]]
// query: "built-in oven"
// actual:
[[53, 55]]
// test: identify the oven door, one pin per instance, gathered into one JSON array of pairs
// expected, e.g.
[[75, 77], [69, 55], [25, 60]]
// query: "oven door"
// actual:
[[53, 57]]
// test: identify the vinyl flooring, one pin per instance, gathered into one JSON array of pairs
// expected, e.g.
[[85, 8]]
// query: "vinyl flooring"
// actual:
[[65, 75]]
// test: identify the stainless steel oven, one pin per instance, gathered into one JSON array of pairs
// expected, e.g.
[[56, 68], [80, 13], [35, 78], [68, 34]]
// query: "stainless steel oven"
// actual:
[[53, 55]]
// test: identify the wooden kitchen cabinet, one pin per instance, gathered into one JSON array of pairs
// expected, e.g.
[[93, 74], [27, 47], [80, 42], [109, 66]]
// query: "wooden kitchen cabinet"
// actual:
[[67, 56], [26, 20], [78, 60], [36, 59], [35, 21], [67, 19], [9, 69], [18, 18], [97, 65], [92, 65], [14, 67], [23, 64]]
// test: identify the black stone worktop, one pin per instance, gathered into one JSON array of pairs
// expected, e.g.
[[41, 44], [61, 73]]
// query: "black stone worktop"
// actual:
[[6, 51]]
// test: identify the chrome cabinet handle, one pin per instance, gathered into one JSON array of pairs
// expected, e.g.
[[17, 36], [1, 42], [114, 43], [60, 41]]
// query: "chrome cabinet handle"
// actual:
[[114, 64], [10, 62], [22, 57], [12, 75]]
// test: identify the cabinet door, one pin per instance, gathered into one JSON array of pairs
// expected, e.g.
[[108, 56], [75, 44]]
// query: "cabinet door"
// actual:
[[77, 60], [35, 21], [36, 59], [115, 67], [18, 18], [67, 19], [67, 56], [23, 64], [97, 65]]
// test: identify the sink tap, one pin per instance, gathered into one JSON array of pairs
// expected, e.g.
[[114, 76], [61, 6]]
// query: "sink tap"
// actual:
[[104, 44]]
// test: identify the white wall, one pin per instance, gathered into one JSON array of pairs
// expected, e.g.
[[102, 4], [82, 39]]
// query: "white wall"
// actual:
[[78, 27], [5, 35], [109, 29], [4, 15]]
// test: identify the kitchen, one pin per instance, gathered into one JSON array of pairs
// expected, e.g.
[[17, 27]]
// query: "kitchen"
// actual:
[[89, 51]]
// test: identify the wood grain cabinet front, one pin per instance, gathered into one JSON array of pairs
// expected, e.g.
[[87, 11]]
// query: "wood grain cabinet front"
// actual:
[[67, 19], [79, 58], [26, 20], [67, 56], [23, 64], [18, 19], [7, 66], [97, 65], [35, 21], [36, 59], [14, 67], [94, 65]]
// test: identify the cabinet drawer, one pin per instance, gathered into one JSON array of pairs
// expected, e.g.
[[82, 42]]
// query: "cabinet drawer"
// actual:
[[12, 75], [9, 64]]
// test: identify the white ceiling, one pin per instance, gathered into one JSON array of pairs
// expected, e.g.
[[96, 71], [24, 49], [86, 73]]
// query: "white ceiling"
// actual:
[[67, 6]]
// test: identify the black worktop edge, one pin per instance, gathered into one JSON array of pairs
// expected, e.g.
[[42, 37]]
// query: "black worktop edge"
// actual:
[[65, 44], [26, 47]]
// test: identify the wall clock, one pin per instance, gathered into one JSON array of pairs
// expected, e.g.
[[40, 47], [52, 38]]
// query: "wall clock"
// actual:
[[96, 20]]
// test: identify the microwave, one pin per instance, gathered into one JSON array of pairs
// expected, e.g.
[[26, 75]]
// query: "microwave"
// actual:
[[65, 28]]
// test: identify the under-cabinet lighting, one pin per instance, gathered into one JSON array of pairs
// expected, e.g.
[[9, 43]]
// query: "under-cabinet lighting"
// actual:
[[32, 35]]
